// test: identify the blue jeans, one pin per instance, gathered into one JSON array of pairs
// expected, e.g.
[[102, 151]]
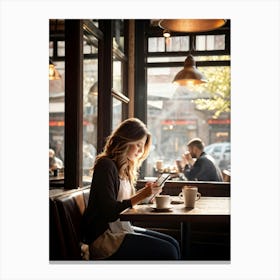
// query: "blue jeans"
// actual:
[[147, 245]]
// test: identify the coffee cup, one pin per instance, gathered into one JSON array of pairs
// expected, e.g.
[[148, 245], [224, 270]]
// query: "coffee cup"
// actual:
[[190, 195], [179, 165], [162, 201], [159, 165]]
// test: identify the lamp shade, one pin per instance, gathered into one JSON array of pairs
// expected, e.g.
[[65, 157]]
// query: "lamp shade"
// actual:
[[94, 89], [191, 25], [190, 74]]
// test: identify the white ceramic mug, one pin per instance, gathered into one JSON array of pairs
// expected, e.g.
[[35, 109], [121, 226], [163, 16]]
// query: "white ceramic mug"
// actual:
[[190, 195], [163, 201]]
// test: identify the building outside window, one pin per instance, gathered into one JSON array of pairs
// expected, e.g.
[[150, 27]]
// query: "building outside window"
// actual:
[[178, 113]]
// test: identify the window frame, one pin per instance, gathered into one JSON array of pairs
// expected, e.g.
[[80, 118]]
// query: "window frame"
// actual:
[[144, 31], [73, 32]]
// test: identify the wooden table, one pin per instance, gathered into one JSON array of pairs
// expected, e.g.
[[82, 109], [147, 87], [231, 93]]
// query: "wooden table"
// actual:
[[59, 177], [210, 209]]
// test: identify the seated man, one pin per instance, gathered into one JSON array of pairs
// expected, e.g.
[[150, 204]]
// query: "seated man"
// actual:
[[204, 167]]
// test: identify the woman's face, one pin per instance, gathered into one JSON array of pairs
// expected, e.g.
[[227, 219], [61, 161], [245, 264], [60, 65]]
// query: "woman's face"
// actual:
[[136, 149]]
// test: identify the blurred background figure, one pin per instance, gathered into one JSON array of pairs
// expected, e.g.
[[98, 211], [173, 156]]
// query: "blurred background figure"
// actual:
[[89, 154], [54, 162]]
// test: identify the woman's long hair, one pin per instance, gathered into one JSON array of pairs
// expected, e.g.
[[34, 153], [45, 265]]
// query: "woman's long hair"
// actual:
[[118, 144]]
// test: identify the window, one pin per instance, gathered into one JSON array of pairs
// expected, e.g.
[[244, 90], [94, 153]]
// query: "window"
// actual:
[[56, 104], [90, 106], [119, 87], [117, 112], [175, 114], [65, 35], [177, 44], [210, 42]]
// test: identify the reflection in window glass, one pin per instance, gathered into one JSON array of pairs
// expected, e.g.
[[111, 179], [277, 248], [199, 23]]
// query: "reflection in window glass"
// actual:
[[95, 22], [50, 48], [90, 44], [60, 48], [117, 112], [174, 117], [56, 112], [117, 75], [90, 99], [118, 39]]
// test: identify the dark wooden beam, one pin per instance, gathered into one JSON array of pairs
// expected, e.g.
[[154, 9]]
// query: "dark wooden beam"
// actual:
[[73, 104], [105, 70]]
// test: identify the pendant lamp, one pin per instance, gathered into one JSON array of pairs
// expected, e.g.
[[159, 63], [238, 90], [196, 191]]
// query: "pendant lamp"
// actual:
[[53, 73], [94, 89], [189, 75], [191, 25]]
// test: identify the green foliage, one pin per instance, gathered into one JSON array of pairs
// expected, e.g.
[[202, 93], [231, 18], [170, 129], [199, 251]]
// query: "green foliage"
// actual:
[[218, 89]]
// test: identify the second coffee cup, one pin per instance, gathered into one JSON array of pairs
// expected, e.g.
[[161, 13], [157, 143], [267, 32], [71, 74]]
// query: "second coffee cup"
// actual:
[[190, 195]]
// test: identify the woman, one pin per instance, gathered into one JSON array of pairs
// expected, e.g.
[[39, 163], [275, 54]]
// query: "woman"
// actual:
[[112, 191]]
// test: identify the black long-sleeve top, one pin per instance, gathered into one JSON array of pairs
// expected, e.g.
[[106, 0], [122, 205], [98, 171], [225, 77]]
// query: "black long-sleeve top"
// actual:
[[204, 169], [103, 206]]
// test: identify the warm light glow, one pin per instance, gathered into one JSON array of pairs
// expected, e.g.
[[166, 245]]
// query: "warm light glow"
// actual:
[[189, 82], [166, 33], [94, 89], [189, 75], [53, 73], [167, 40], [51, 70], [191, 25]]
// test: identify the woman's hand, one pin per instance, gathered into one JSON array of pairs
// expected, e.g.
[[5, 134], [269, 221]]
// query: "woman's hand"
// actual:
[[150, 189]]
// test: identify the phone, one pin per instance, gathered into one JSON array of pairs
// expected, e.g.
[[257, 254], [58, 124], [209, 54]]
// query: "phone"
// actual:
[[162, 179]]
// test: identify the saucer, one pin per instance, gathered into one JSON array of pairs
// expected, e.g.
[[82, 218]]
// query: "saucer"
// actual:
[[177, 202], [168, 209]]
